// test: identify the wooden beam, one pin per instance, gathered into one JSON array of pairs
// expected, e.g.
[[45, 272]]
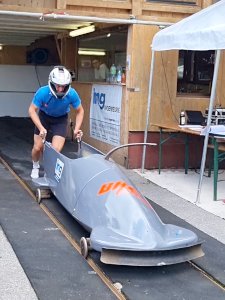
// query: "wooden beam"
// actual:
[[168, 8], [142, 10], [61, 4], [100, 3], [58, 47], [136, 8]]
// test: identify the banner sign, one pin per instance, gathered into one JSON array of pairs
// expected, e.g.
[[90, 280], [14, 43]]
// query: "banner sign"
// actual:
[[105, 113]]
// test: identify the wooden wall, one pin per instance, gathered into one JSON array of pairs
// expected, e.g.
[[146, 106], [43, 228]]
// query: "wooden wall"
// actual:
[[48, 43], [138, 70], [140, 9], [17, 55], [13, 55], [220, 92], [34, 4], [166, 105]]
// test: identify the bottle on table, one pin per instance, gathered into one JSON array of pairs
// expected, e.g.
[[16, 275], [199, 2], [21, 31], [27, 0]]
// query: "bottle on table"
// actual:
[[123, 77], [113, 73], [182, 118], [119, 76]]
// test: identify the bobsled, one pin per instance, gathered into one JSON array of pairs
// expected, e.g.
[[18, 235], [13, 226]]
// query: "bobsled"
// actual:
[[122, 225]]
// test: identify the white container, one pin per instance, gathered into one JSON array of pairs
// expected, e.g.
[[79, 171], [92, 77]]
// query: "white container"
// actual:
[[113, 74], [182, 118], [119, 76]]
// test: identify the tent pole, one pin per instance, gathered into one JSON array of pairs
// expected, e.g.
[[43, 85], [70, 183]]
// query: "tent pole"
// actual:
[[211, 104], [148, 110]]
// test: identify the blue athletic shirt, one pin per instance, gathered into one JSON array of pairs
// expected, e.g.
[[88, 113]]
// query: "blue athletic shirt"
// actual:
[[53, 106]]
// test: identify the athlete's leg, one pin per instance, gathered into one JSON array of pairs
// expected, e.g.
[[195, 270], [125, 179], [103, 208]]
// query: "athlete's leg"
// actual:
[[37, 148], [36, 155], [59, 128], [58, 142]]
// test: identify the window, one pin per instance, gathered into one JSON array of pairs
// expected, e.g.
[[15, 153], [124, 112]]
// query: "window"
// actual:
[[195, 72], [111, 41]]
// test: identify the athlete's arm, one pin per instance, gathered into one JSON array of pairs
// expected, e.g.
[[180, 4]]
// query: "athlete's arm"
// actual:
[[79, 119], [33, 109]]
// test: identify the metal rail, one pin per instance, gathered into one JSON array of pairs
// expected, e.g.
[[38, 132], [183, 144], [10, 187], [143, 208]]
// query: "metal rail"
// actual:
[[107, 156]]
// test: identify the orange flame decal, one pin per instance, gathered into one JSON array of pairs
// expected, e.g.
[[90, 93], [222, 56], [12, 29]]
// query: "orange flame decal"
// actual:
[[119, 187]]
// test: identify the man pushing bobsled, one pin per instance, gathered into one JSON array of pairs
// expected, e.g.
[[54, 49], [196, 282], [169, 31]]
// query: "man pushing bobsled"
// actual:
[[49, 112], [100, 198]]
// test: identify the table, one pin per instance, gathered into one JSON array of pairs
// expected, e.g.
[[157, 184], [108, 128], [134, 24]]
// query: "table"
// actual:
[[217, 143], [176, 130]]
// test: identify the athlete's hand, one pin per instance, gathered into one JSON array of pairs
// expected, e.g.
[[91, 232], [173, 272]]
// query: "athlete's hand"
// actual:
[[43, 133], [78, 135]]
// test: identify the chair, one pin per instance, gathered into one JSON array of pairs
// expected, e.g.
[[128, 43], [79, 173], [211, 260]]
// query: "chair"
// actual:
[[218, 146]]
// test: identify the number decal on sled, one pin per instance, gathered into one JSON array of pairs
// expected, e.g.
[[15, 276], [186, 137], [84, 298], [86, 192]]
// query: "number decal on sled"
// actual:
[[58, 169]]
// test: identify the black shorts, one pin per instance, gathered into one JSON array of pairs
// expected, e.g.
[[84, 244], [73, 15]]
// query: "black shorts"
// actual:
[[53, 125]]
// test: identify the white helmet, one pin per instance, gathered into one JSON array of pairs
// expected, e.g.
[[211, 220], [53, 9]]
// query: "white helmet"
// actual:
[[59, 76]]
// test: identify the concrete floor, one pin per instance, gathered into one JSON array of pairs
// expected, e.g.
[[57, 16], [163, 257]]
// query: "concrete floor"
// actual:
[[186, 186]]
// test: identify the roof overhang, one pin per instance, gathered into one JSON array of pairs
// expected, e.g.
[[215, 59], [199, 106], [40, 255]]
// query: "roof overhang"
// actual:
[[23, 28]]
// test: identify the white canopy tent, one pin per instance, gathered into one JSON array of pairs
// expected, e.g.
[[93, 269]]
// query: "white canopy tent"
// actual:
[[204, 30]]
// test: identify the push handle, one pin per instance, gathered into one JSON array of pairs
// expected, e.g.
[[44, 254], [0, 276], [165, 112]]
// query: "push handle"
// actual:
[[43, 135], [107, 156], [79, 136]]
